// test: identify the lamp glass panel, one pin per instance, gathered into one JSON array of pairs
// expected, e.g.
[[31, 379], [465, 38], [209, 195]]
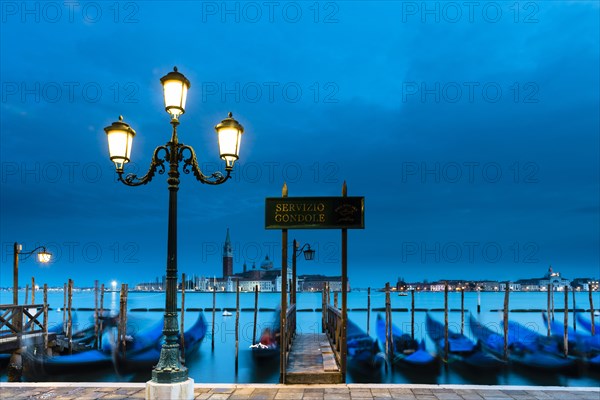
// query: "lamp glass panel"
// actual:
[[229, 144], [175, 93], [309, 254], [119, 146]]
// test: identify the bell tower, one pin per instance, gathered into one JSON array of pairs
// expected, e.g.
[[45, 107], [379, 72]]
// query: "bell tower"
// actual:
[[227, 257]]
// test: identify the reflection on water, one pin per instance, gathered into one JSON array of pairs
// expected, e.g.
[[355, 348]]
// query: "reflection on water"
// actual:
[[218, 366]]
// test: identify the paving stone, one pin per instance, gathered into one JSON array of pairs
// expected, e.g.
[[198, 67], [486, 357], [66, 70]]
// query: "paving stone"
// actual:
[[398, 391], [538, 394], [421, 391], [219, 396], [309, 391], [263, 394], [448, 396], [382, 393], [403, 397], [223, 390], [288, 395]]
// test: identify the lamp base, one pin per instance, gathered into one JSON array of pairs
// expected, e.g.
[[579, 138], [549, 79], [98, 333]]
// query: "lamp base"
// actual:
[[176, 391]]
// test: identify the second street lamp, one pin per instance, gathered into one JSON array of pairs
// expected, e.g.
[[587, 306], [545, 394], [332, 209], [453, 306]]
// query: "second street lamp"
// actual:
[[309, 254], [120, 139]]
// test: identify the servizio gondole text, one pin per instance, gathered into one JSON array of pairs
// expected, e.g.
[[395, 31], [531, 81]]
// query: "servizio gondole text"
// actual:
[[303, 212]]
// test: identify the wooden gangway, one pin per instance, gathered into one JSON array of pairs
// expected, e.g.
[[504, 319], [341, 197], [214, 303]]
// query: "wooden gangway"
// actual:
[[311, 360], [314, 357]]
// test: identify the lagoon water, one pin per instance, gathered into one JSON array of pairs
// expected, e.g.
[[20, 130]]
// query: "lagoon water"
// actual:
[[218, 365]]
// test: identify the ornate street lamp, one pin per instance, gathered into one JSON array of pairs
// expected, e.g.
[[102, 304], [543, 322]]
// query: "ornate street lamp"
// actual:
[[43, 256], [309, 254], [120, 139]]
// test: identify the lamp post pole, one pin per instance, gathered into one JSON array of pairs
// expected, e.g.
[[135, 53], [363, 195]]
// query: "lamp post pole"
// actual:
[[169, 369], [43, 257], [308, 255], [16, 274], [293, 288]]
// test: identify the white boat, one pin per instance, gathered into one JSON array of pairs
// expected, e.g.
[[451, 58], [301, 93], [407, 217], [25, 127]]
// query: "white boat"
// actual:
[[227, 313], [402, 294]]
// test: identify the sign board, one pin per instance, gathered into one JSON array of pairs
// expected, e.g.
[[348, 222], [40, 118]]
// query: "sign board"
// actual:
[[315, 213]]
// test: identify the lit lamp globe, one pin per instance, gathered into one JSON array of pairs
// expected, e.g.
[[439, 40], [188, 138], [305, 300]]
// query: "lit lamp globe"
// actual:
[[175, 88], [229, 132], [44, 257], [120, 139]]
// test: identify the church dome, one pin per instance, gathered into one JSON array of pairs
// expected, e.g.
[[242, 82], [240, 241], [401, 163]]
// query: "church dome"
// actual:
[[266, 264]]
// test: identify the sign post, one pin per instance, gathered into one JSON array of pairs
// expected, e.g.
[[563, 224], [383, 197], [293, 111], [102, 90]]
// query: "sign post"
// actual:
[[314, 213]]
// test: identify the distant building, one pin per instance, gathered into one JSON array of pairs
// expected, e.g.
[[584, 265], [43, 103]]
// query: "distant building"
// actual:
[[316, 283], [551, 277], [512, 286]]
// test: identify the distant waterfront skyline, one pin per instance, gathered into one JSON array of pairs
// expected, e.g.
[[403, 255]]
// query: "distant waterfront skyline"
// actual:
[[474, 141]]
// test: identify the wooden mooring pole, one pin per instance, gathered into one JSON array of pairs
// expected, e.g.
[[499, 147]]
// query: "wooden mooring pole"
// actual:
[[591, 308], [574, 312], [368, 310], [64, 309], [70, 315], [412, 314], [101, 315], [45, 318], [549, 311], [237, 324], [478, 300], [32, 290], [181, 329], [212, 345], [255, 314], [462, 311], [26, 294], [335, 300], [387, 321], [506, 294], [552, 297], [566, 315], [96, 319], [446, 344]]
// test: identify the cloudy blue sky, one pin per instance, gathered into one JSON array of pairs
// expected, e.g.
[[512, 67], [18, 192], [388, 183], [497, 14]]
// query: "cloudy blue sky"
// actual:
[[472, 130]]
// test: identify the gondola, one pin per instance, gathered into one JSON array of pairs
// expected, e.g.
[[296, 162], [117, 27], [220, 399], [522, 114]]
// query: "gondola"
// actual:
[[520, 352], [407, 351], [587, 324], [461, 350], [40, 366], [148, 358], [580, 341], [363, 351], [267, 347]]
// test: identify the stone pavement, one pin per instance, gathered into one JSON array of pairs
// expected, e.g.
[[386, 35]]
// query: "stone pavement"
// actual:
[[97, 390]]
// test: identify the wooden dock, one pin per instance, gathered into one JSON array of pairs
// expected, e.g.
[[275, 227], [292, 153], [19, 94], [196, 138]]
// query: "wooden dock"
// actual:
[[21, 325], [311, 360]]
